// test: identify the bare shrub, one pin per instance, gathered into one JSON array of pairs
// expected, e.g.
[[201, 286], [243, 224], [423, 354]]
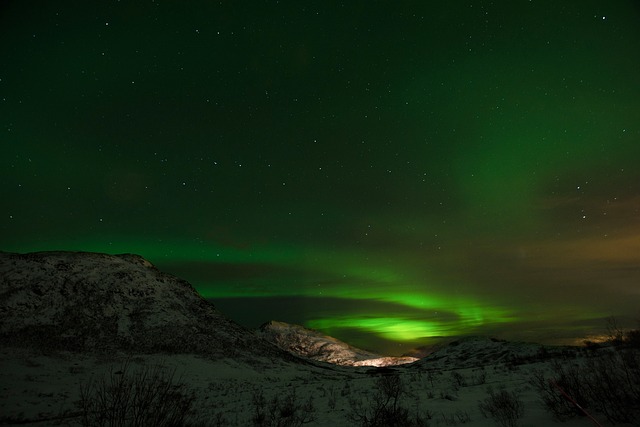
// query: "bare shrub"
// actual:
[[612, 384], [459, 417], [608, 382], [504, 407], [568, 377], [346, 390], [448, 419], [458, 379], [431, 376], [259, 408], [446, 395], [614, 331], [620, 337], [128, 397], [384, 408], [555, 403], [284, 411], [333, 398]]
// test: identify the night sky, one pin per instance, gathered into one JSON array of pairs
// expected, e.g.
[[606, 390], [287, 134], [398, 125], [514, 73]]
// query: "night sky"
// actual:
[[385, 172]]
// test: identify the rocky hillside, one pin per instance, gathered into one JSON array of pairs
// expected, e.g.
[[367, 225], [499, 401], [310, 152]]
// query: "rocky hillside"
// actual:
[[89, 301], [314, 345]]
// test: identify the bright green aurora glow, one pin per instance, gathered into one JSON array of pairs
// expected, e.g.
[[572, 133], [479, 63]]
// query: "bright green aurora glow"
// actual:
[[389, 174], [396, 329]]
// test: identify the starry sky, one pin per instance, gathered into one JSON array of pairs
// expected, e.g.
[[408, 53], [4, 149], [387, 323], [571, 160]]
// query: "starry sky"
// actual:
[[386, 172]]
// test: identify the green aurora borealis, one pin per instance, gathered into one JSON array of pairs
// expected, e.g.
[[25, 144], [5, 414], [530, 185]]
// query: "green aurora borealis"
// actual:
[[386, 172]]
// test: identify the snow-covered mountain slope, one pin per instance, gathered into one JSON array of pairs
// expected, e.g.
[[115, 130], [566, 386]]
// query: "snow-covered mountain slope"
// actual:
[[89, 301], [314, 345], [473, 351]]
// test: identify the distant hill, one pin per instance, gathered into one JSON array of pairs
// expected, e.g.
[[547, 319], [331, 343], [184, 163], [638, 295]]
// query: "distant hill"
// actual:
[[474, 351], [89, 301], [317, 346]]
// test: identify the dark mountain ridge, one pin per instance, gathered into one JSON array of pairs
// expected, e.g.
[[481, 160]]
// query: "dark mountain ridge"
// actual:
[[97, 302]]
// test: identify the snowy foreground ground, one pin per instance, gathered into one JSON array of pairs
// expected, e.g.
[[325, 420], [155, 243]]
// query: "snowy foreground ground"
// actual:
[[444, 389], [221, 374]]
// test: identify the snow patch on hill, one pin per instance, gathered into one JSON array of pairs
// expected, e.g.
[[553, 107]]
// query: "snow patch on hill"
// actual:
[[315, 345]]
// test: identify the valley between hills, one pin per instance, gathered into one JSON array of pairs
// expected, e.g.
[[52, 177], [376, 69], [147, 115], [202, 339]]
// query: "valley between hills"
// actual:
[[97, 339]]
